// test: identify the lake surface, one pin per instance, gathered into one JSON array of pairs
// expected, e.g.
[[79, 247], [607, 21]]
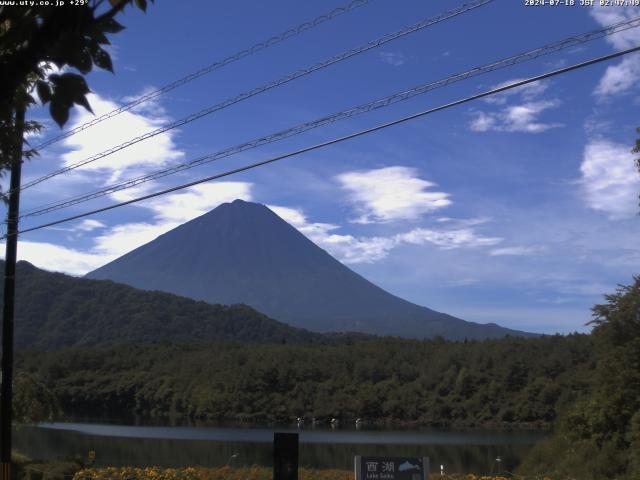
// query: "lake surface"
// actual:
[[473, 451]]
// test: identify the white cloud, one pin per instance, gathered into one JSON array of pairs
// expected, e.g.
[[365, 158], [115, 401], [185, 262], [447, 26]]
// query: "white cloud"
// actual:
[[84, 226], [619, 78], [353, 250], [126, 237], [89, 225], [462, 282], [297, 218], [345, 248], [527, 92], [608, 15], [447, 239], [152, 152], [391, 193], [522, 116], [515, 118], [483, 122], [150, 107], [58, 258], [609, 179], [393, 58], [463, 222], [521, 250]]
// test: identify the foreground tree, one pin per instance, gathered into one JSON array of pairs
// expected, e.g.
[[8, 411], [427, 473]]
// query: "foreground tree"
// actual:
[[599, 438], [636, 149], [33, 402], [32, 40]]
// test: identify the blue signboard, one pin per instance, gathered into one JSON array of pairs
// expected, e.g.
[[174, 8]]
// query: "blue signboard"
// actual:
[[391, 468]]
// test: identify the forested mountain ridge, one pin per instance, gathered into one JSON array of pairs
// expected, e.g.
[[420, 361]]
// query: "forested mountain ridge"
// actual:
[[494, 383], [54, 310], [242, 252]]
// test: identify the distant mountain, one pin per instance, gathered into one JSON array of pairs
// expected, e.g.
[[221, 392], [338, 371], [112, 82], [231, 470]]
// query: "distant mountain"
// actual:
[[54, 310], [242, 252]]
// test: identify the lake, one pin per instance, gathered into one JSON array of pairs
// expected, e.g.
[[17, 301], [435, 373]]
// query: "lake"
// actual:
[[471, 451]]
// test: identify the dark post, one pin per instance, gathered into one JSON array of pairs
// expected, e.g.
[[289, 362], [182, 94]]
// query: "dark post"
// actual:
[[285, 456], [6, 391]]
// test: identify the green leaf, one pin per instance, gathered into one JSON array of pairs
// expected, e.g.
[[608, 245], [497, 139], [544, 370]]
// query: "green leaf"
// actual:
[[71, 82], [141, 4], [81, 59], [101, 58], [109, 25], [59, 111], [82, 100], [101, 38], [44, 91], [68, 88]]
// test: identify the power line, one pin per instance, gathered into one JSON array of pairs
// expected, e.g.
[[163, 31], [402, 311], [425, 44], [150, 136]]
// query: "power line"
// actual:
[[268, 86], [364, 108], [337, 140], [292, 32]]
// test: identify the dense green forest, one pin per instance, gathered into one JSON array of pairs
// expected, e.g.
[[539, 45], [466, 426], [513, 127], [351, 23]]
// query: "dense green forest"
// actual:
[[54, 310], [586, 386], [507, 382]]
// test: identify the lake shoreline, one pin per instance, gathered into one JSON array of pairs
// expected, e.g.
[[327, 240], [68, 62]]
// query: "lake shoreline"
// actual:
[[291, 423], [176, 447]]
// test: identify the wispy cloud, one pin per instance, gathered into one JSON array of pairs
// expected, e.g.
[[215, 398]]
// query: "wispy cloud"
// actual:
[[608, 15], [527, 92], [88, 225], [620, 78], [391, 193], [447, 239], [353, 250], [519, 250], [346, 248], [393, 58], [519, 110]]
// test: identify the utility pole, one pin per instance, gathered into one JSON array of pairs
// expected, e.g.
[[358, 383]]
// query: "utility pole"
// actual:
[[6, 390]]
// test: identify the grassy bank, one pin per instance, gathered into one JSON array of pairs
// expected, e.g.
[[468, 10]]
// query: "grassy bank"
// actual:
[[242, 473], [74, 470]]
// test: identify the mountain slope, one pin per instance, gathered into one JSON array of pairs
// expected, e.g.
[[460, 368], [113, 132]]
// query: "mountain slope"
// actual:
[[54, 310], [242, 252]]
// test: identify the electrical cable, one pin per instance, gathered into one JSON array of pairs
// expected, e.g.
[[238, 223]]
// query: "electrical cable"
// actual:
[[348, 113], [339, 139], [292, 32], [268, 86]]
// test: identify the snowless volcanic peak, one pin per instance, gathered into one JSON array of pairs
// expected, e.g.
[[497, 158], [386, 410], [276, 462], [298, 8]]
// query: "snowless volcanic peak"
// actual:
[[242, 252]]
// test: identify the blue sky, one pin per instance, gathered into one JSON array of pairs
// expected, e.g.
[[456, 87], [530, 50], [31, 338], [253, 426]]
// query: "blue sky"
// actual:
[[520, 209]]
